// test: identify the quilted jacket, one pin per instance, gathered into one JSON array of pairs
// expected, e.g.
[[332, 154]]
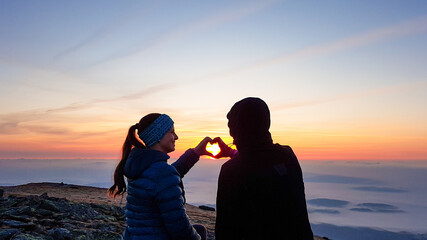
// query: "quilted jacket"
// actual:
[[155, 200]]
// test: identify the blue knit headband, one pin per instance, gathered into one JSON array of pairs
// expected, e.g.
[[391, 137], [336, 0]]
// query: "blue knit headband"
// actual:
[[155, 132]]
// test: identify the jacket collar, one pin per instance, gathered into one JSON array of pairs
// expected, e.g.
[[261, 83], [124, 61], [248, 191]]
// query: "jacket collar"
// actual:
[[140, 159]]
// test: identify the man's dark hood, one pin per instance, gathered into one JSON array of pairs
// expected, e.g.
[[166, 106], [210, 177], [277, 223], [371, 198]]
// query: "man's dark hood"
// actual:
[[249, 123]]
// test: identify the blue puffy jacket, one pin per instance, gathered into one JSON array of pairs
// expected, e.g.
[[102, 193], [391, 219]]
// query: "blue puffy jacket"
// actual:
[[155, 201]]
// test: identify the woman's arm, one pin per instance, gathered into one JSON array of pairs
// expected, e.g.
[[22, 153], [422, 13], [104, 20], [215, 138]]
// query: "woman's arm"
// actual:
[[191, 156], [186, 162]]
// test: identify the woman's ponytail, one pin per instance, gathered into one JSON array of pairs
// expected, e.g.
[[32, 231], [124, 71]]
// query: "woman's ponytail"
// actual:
[[119, 186]]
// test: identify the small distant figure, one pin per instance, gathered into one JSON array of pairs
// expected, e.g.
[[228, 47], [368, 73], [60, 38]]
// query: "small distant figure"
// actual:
[[155, 200], [260, 189]]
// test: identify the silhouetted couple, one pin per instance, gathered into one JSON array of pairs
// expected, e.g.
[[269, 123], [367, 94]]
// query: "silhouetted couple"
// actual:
[[260, 189]]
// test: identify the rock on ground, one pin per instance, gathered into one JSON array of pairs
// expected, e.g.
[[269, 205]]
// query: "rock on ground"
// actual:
[[49, 218]]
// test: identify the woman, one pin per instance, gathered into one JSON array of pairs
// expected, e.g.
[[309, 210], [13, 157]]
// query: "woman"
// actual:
[[155, 200]]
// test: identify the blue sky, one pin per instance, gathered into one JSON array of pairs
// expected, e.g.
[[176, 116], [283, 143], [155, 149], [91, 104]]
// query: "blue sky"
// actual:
[[341, 72]]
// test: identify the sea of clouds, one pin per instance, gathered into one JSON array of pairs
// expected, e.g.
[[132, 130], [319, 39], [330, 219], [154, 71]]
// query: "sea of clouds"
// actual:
[[345, 199]]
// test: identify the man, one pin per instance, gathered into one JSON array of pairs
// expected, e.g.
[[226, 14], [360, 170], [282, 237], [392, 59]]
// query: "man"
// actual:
[[260, 189]]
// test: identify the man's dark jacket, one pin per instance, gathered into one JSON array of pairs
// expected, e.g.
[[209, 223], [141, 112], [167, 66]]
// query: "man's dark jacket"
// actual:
[[261, 196]]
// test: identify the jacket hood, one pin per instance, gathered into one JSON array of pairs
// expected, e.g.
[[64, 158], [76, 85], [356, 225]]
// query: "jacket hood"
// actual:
[[249, 123], [140, 159]]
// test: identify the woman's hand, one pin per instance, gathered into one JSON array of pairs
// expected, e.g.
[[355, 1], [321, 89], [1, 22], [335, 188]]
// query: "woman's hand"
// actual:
[[226, 151], [201, 148]]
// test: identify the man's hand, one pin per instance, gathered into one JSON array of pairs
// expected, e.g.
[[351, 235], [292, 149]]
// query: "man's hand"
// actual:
[[226, 151]]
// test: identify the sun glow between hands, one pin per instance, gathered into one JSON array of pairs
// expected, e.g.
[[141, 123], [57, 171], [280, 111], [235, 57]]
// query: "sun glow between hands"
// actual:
[[213, 148]]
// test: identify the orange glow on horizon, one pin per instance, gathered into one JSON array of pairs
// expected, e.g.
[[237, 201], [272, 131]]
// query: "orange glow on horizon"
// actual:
[[327, 144]]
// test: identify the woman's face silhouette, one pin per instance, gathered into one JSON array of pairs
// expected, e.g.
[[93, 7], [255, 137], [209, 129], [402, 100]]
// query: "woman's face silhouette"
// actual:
[[167, 143]]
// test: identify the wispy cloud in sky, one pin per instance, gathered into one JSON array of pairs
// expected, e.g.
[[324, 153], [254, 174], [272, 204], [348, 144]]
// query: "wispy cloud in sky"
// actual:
[[11, 123], [103, 32], [236, 13], [127, 97], [406, 28], [390, 89], [15, 123], [216, 19], [402, 29]]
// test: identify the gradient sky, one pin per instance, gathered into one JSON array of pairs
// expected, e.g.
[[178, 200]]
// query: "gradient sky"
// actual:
[[343, 79]]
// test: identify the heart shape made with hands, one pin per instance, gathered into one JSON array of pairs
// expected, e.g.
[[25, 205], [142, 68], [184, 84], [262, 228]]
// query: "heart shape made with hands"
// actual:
[[213, 148]]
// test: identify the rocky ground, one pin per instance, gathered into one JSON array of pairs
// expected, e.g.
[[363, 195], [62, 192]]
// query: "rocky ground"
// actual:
[[56, 211]]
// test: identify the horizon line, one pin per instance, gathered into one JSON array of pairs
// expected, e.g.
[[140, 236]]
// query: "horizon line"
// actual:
[[207, 158]]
